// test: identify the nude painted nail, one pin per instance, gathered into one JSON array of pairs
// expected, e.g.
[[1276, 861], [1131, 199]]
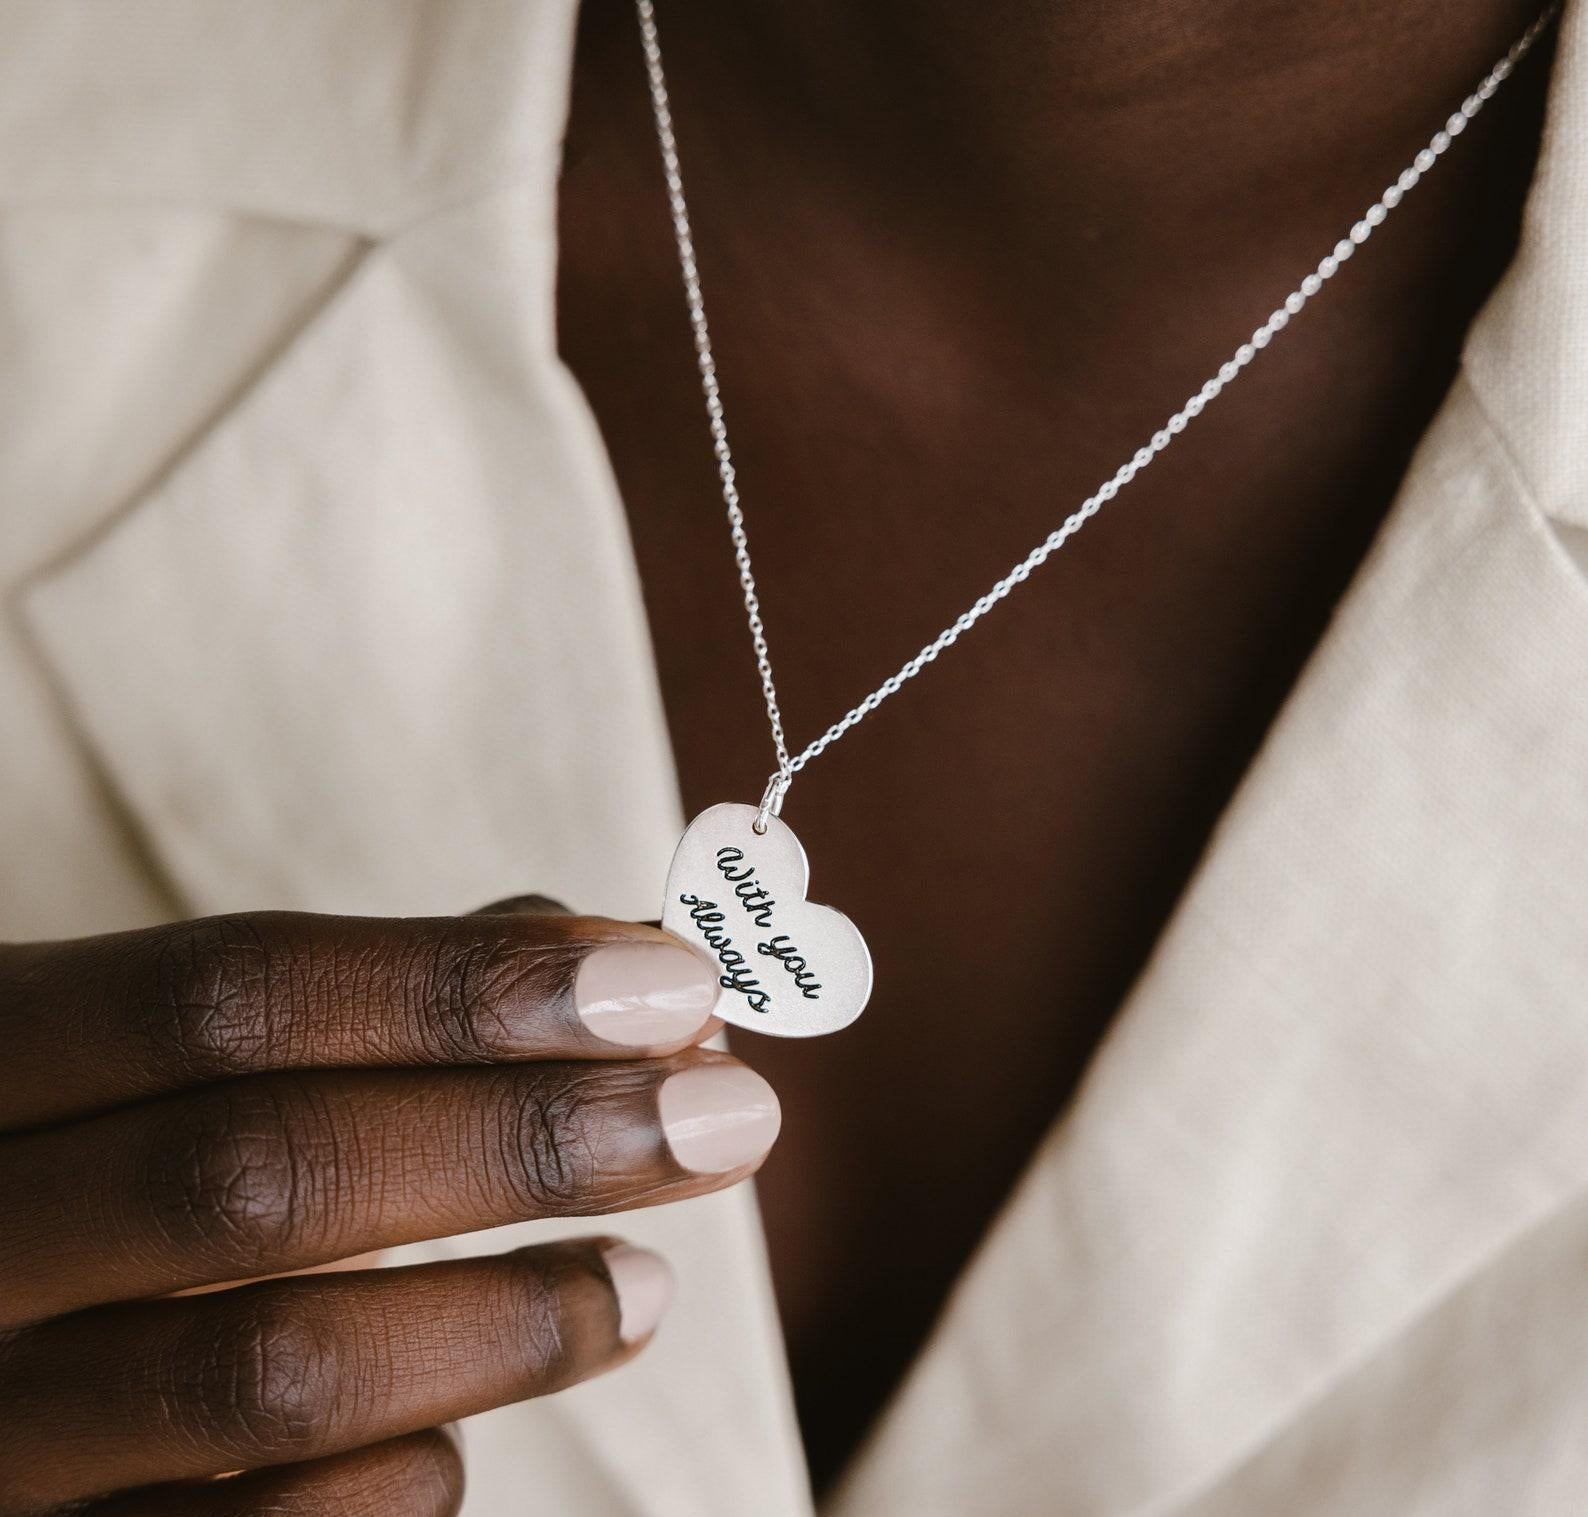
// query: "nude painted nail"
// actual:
[[640, 994], [718, 1117], [643, 1283]]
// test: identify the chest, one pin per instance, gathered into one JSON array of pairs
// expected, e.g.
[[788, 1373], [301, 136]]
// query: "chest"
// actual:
[[1011, 830]]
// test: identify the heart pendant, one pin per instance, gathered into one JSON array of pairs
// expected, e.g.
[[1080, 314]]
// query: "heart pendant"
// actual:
[[788, 967]]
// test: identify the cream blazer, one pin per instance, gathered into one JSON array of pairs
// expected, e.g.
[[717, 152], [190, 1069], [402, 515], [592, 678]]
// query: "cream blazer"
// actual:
[[318, 595]]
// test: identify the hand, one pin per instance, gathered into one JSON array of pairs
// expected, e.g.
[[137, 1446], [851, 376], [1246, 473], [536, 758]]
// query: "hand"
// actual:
[[244, 1095]]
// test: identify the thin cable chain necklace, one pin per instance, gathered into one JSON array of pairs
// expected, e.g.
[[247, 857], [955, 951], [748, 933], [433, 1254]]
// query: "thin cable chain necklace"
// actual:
[[1279, 318], [737, 885]]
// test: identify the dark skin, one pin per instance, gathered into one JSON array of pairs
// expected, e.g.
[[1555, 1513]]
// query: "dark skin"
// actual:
[[959, 264], [213, 1101], [958, 271]]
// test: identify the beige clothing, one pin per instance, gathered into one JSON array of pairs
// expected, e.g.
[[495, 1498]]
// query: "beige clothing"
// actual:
[[319, 595]]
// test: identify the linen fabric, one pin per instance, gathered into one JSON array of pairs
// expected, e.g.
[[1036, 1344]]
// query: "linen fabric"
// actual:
[[320, 596]]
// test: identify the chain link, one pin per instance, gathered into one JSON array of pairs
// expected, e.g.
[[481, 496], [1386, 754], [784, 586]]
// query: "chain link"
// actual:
[[706, 359], [1238, 361]]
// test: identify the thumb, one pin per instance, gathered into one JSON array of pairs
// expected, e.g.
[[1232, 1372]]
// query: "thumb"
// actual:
[[523, 905]]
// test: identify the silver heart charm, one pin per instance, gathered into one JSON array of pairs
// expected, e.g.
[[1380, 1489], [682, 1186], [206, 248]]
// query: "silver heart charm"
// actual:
[[788, 967]]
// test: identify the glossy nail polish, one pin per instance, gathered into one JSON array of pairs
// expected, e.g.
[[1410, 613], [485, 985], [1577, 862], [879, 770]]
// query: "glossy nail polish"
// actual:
[[641, 994], [718, 1117], [643, 1284]]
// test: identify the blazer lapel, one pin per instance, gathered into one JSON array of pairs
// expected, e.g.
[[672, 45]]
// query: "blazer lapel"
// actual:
[[1355, 1073], [375, 642]]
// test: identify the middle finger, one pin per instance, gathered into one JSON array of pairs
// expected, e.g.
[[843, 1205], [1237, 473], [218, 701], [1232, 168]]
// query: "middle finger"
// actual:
[[281, 1172]]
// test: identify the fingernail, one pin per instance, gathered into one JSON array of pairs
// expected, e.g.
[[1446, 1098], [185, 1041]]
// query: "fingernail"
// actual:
[[718, 1117], [639, 994], [643, 1284]]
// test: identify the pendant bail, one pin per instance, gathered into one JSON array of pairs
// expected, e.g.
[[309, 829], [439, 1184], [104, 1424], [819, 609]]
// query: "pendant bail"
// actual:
[[772, 800]]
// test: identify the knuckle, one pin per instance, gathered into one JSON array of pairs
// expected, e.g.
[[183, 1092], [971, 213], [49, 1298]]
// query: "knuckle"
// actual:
[[551, 1136], [465, 983], [261, 1382], [226, 1177], [206, 1010], [421, 1474]]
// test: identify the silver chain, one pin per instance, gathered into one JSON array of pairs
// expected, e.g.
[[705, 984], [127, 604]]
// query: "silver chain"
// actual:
[[1193, 407]]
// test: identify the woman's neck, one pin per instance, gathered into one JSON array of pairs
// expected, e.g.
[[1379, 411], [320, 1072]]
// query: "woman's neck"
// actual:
[[1032, 114], [961, 260]]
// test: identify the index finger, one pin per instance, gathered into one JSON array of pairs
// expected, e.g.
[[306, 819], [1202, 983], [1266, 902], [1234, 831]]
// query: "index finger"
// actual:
[[96, 1022]]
